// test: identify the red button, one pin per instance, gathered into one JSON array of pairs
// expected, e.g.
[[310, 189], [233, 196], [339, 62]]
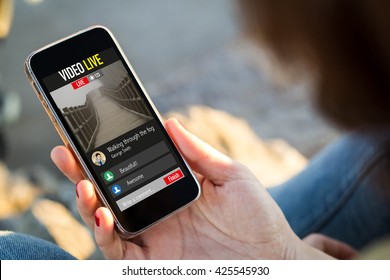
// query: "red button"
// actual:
[[79, 83], [174, 176]]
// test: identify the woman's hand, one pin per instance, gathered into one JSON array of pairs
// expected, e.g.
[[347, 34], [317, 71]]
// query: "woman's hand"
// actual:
[[234, 218]]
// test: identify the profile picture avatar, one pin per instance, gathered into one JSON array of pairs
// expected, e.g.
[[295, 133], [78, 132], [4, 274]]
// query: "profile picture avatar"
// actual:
[[98, 158]]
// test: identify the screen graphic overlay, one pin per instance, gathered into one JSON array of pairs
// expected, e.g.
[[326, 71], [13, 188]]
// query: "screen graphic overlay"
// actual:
[[110, 120]]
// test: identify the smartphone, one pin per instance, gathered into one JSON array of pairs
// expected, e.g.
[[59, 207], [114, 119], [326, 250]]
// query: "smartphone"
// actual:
[[105, 117]]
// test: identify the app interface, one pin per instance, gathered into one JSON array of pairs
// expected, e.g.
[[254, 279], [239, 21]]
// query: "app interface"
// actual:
[[109, 119]]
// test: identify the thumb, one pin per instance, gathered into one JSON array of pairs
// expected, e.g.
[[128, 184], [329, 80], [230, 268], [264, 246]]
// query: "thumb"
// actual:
[[201, 157]]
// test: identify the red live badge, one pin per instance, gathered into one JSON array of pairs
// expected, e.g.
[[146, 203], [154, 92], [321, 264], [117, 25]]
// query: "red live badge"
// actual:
[[79, 83]]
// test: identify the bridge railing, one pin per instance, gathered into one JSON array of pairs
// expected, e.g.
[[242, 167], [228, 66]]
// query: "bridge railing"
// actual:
[[83, 121], [128, 98]]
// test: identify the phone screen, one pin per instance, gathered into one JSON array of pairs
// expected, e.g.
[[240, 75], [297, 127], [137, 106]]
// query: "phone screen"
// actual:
[[106, 113]]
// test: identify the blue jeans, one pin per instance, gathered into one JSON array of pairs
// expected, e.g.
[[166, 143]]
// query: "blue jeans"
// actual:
[[16, 246], [344, 192]]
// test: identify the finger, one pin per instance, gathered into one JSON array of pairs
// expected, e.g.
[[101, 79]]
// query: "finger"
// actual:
[[65, 162], [87, 202], [106, 238], [202, 158], [330, 246], [110, 243]]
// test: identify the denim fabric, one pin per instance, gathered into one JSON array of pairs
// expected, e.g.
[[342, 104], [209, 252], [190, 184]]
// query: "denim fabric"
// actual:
[[344, 192], [16, 246]]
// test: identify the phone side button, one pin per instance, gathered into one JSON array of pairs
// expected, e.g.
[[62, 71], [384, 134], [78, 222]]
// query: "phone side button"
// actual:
[[45, 105], [37, 91], [53, 120]]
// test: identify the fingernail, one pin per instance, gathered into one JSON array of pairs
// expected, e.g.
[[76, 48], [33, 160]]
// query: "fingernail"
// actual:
[[97, 220], [77, 191]]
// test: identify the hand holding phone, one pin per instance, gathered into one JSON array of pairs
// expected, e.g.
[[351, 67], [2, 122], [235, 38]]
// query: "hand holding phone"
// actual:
[[235, 218], [114, 138]]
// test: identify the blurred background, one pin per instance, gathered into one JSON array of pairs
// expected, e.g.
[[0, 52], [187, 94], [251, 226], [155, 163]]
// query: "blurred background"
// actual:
[[195, 63]]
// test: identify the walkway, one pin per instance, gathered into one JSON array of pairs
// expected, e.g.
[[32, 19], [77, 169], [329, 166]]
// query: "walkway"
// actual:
[[113, 119]]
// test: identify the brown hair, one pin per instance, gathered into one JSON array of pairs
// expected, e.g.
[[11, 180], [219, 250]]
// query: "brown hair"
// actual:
[[346, 43]]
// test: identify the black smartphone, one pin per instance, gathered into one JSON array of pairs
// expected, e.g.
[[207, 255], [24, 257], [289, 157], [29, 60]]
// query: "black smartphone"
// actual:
[[104, 115]]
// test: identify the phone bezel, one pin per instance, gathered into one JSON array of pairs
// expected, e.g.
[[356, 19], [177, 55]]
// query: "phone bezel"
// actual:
[[76, 47]]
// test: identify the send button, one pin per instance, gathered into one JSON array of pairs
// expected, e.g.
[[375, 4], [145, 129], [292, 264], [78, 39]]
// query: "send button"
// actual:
[[173, 177]]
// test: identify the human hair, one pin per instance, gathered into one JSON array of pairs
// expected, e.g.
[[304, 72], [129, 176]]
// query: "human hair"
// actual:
[[345, 44]]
